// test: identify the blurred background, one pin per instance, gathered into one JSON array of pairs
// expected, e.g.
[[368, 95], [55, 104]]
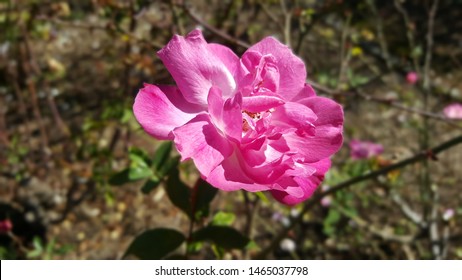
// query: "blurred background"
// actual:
[[69, 72]]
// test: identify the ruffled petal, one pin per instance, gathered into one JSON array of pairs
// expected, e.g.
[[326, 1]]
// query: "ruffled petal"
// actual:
[[328, 137], [160, 110], [227, 56], [298, 188], [327, 110], [295, 115], [260, 103], [200, 141], [229, 176], [307, 91], [292, 72], [196, 66], [226, 114]]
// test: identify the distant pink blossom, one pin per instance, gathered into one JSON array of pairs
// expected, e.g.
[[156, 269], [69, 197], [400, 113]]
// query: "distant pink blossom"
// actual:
[[248, 123], [412, 78], [326, 201], [448, 214], [364, 149], [453, 111], [5, 226]]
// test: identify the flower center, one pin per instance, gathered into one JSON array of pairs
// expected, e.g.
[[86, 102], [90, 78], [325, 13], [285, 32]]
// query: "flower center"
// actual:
[[252, 120], [249, 120]]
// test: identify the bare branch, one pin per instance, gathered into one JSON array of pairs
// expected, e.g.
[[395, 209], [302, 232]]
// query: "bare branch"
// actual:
[[423, 155], [215, 30], [428, 55]]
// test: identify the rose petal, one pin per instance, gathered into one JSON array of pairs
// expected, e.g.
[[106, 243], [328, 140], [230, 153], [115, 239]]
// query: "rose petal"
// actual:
[[328, 136], [159, 111], [260, 103], [291, 68], [229, 176], [295, 115], [196, 66], [226, 114], [307, 91], [200, 141], [305, 185]]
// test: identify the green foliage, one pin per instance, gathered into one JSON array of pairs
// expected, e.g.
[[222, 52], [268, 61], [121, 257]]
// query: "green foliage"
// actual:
[[222, 236], [142, 167], [223, 219], [155, 244], [194, 202], [46, 251], [7, 253], [179, 193], [202, 196], [150, 184], [330, 222], [162, 154]]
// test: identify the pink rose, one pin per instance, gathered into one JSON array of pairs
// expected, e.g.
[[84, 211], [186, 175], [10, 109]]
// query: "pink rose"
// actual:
[[364, 149], [453, 111], [6, 226], [247, 123], [412, 78]]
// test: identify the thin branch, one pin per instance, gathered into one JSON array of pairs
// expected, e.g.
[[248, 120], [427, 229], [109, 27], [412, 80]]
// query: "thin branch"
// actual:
[[433, 229], [106, 28], [385, 234], [428, 55], [271, 15], [423, 155], [415, 217], [251, 209], [410, 36], [430, 195], [386, 101], [214, 30], [344, 59], [287, 20], [380, 35]]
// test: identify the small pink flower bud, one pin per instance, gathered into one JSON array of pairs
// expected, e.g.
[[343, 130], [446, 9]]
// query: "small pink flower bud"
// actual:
[[448, 214], [326, 201], [364, 149], [412, 78], [453, 111], [5, 226]]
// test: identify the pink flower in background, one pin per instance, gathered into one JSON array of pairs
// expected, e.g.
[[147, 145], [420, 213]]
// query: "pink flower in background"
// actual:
[[6, 226], [364, 149], [453, 111], [412, 78], [248, 123], [448, 214]]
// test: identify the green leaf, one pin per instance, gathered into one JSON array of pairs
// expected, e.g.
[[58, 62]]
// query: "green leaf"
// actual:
[[139, 165], [139, 157], [168, 166], [262, 197], [150, 184], [119, 178], [129, 175], [38, 248], [155, 244], [178, 192], [161, 155], [203, 194], [139, 172], [330, 222], [223, 219], [224, 237]]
